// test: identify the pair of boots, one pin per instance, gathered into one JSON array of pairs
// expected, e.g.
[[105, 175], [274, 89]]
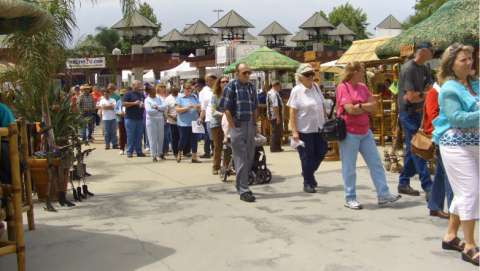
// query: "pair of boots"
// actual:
[[62, 199], [81, 192]]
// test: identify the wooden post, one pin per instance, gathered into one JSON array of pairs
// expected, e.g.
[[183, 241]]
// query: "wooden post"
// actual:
[[27, 175], [17, 197]]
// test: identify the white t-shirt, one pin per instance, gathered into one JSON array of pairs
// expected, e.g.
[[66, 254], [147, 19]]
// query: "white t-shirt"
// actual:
[[107, 114], [309, 104], [170, 101], [272, 101], [205, 96]]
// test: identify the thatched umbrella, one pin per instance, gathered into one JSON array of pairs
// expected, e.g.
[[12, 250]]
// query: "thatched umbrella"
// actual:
[[16, 15], [265, 59], [454, 21]]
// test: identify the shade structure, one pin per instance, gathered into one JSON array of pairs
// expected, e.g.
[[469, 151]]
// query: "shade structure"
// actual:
[[136, 21], [155, 43], [16, 15], [274, 29], [232, 20], [199, 28], [389, 23], [317, 21], [300, 36], [341, 30], [454, 21], [362, 50], [174, 36], [265, 59]]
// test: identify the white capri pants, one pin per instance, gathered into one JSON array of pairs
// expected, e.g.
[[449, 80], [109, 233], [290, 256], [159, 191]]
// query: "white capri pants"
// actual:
[[155, 133], [462, 168]]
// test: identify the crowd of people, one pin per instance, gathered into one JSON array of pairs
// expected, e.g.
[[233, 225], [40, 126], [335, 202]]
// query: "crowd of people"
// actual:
[[214, 109]]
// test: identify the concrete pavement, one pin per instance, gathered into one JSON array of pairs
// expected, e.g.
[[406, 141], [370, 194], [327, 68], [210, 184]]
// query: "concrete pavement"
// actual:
[[169, 216]]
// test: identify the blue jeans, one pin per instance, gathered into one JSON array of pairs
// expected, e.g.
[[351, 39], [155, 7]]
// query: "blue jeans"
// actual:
[[441, 186], [135, 130], [311, 156], [349, 149], [110, 132], [412, 164], [167, 138], [188, 140], [90, 126]]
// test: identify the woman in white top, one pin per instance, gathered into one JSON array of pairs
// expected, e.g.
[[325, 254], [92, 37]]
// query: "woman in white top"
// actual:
[[155, 109], [172, 129], [107, 107], [162, 93], [307, 116]]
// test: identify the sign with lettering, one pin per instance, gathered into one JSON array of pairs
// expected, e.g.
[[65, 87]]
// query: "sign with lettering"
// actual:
[[406, 50], [86, 63], [310, 56]]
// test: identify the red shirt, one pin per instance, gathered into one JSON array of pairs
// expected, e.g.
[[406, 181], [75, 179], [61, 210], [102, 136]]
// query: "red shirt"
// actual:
[[430, 110], [96, 95]]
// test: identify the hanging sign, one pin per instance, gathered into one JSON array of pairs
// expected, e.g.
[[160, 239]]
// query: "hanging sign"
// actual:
[[86, 63], [406, 50]]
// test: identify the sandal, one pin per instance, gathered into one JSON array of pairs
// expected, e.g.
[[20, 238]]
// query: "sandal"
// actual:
[[471, 256], [455, 244]]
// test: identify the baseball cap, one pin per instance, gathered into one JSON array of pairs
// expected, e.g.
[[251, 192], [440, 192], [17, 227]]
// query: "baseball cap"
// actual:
[[424, 45], [305, 68]]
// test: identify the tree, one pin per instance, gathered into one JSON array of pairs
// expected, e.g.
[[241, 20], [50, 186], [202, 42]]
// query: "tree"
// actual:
[[324, 15], [147, 11], [423, 10], [108, 38], [353, 18]]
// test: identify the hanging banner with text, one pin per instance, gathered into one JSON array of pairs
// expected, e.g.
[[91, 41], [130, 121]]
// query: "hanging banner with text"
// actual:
[[86, 63]]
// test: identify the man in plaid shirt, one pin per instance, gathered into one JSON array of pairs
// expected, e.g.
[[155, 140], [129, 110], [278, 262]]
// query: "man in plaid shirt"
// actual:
[[239, 102], [87, 109]]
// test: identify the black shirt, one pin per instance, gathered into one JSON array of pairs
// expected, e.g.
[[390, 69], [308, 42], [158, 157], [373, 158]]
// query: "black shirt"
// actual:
[[416, 77], [134, 112]]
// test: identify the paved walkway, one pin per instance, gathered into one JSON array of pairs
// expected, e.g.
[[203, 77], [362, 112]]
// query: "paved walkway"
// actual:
[[167, 216]]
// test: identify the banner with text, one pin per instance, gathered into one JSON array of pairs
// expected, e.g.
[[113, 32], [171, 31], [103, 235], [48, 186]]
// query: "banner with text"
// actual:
[[86, 63]]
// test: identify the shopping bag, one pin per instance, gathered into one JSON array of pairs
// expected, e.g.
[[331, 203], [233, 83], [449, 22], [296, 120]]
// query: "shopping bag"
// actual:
[[197, 127]]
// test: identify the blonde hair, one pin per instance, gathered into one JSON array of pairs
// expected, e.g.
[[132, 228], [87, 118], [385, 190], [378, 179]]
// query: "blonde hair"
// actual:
[[448, 60], [350, 69]]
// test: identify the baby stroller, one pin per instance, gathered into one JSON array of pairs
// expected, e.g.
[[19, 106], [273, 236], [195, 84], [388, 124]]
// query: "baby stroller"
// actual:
[[259, 173]]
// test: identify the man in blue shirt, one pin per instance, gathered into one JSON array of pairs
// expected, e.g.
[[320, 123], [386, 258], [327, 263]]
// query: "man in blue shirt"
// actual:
[[134, 108], [239, 102]]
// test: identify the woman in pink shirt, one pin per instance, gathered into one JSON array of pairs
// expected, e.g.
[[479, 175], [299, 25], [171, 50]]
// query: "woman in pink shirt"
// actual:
[[354, 103]]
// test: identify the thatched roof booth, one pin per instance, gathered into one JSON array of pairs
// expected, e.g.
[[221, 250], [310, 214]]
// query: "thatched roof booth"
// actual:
[[18, 15], [455, 21]]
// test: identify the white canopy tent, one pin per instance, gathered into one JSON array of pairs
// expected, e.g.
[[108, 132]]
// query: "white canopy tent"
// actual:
[[183, 69]]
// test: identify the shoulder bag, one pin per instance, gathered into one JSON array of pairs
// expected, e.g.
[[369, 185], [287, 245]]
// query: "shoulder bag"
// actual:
[[334, 129], [422, 145]]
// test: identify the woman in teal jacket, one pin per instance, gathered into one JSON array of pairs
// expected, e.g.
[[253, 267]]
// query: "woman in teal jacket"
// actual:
[[457, 134]]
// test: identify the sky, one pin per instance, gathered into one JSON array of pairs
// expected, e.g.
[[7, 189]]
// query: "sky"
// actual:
[[289, 13]]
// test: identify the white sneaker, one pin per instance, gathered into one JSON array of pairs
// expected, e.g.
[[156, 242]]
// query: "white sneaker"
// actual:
[[388, 199], [353, 204], [147, 149], [122, 152]]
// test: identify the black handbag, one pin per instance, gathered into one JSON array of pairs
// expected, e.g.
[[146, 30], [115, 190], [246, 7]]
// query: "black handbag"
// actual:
[[334, 129]]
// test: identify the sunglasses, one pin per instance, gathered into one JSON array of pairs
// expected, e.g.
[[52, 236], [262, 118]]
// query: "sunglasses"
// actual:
[[246, 72], [224, 82], [309, 74]]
